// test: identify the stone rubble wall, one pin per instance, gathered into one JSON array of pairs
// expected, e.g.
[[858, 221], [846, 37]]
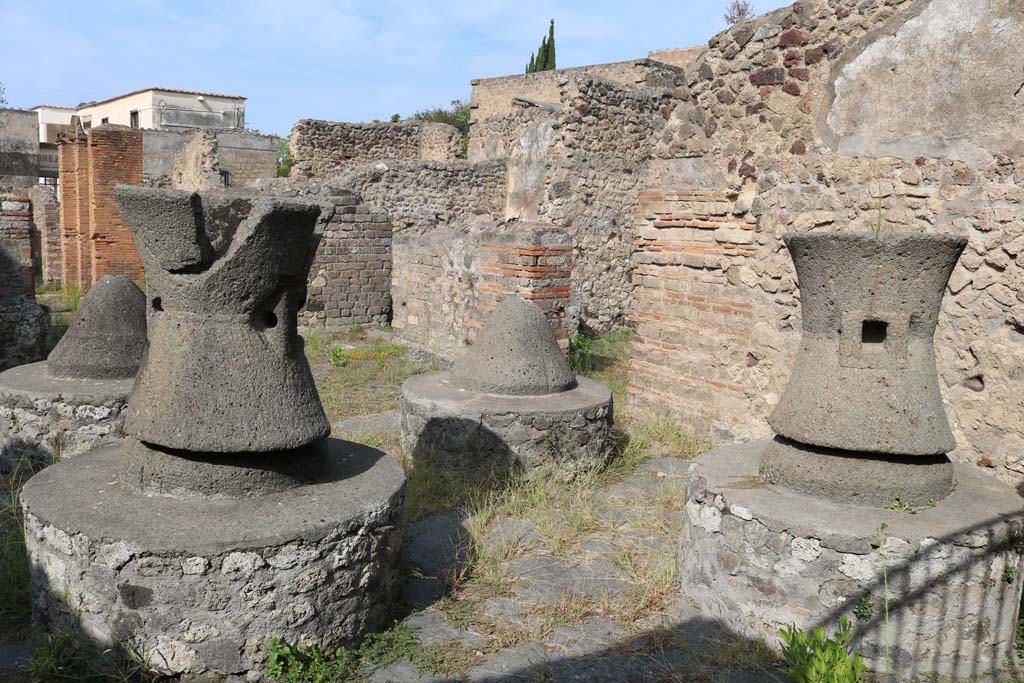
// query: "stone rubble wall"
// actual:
[[594, 171], [191, 613], [446, 280], [350, 279], [196, 165], [426, 194], [24, 324], [46, 235], [44, 430], [321, 149], [752, 141], [496, 96]]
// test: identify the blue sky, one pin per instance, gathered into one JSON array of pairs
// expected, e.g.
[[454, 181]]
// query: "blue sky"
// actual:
[[327, 59]]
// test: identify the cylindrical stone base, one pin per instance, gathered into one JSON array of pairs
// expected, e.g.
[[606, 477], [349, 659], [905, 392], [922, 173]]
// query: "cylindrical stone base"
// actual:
[[558, 435], [858, 478], [43, 417], [760, 558], [201, 585]]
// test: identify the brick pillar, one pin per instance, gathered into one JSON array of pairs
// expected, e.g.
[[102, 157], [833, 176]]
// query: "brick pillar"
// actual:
[[69, 158], [115, 157], [532, 261]]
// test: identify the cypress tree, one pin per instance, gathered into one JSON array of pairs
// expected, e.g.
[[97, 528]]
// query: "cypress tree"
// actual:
[[550, 60], [532, 66], [542, 55]]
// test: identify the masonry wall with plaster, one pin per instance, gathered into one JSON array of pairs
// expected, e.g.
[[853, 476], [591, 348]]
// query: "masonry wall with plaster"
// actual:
[[797, 121]]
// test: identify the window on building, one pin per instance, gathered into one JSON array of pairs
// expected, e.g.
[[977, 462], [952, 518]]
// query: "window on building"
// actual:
[[105, 119], [133, 119]]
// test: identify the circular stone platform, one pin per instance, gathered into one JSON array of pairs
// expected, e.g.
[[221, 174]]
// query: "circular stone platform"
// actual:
[[43, 417], [559, 434], [202, 584], [759, 558]]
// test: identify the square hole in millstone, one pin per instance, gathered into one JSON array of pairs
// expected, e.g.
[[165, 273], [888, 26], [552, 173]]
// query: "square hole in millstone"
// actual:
[[873, 334]]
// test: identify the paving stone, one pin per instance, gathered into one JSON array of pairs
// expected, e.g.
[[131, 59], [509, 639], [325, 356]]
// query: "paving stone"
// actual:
[[383, 423], [632, 490], [14, 654], [502, 609], [404, 672], [549, 579], [599, 545], [509, 532], [667, 468], [432, 628], [419, 592], [436, 546], [630, 668], [589, 638], [514, 665]]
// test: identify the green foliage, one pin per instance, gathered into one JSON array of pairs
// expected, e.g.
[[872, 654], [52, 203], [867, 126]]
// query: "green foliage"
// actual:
[[3, 99], [456, 114], [812, 657], [55, 658], [1010, 574], [864, 609], [900, 505], [544, 59], [284, 157], [339, 356], [308, 664]]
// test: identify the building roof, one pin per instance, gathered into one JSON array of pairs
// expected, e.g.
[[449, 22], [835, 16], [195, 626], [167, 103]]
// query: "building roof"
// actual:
[[51, 106], [174, 90]]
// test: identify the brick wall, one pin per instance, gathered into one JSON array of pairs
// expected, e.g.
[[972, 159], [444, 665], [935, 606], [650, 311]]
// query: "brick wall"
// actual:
[[350, 281], [446, 280], [46, 233], [695, 340], [95, 240], [115, 157], [69, 165]]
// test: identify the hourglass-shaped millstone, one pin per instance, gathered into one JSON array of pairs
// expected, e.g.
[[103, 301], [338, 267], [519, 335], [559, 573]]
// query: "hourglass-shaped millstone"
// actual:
[[864, 386], [226, 276]]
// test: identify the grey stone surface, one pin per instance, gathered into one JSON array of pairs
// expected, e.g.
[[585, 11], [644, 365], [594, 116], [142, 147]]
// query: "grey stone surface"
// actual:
[[759, 557], [106, 339], [516, 354], [586, 639], [421, 592], [386, 422], [557, 434], [188, 474], [546, 579], [14, 654], [432, 628], [436, 546], [201, 584], [508, 532], [974, 46], [43, 417], [512, 664], [864, 378], [226, 278], [858, 478]]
